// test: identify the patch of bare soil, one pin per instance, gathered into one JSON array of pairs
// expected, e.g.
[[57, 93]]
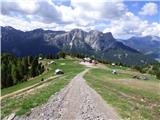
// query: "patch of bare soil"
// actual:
[[92, 65]]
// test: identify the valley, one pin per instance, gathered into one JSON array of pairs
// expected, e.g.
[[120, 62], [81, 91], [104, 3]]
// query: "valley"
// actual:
[[124, 96], [80, 59]]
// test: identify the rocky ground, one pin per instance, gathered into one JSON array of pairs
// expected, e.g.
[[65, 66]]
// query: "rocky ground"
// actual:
[[77, 101]]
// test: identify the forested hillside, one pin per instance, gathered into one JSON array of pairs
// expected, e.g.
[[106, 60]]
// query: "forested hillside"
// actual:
[[15, 69]]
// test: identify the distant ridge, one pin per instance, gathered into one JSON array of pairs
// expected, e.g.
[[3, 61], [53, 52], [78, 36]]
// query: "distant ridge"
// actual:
[[93, 43], [148, 45]]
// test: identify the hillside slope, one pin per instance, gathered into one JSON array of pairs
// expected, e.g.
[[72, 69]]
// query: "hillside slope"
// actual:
[[149, 45]]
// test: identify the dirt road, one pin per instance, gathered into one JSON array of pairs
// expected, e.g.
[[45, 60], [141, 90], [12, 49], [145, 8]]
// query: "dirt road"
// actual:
[[28, 89], [77, 101]]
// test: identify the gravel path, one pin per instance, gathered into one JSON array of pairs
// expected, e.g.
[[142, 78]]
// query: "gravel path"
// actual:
[[77, 101]]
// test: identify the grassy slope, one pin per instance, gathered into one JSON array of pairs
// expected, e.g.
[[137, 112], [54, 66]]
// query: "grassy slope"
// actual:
[[22, 104], [134, 99], [36, 79]]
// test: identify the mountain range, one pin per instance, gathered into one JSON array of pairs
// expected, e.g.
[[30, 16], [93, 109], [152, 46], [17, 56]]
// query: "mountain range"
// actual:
[[148, 45], [93, 43]]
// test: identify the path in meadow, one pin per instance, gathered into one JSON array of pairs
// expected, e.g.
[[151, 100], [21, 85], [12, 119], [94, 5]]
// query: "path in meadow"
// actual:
[[77, 101]]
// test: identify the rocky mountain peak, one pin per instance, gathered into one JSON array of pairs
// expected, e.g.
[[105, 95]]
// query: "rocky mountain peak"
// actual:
[[9, 28], [109, 35], [102, 45], [77, 31]]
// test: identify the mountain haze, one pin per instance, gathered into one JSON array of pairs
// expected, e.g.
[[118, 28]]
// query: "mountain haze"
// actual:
[[148, 45]]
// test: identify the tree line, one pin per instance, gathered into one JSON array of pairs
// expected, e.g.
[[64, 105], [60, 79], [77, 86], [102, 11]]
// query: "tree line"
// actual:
[[53, 56], [153, 69], [18, 69]]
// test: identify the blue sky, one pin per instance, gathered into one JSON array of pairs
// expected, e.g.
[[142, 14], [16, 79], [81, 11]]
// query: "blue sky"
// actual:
[[123, 18], [135, 7]]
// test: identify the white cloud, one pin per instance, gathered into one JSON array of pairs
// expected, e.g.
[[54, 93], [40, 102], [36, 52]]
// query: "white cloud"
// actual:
[[131, 25], [38, 10], [149, 9], [27, 6], [153, 29], [25, 25], [100, 9], [81, 13], [18, 6], [112, 16]]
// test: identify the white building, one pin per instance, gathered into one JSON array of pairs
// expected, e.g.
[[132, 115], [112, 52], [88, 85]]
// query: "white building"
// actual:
[[114, 72], [113, 64], [58, 71], [40, 58], [87, 59]]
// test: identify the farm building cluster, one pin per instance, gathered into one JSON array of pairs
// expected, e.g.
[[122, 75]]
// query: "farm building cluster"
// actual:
[[89, 60]]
